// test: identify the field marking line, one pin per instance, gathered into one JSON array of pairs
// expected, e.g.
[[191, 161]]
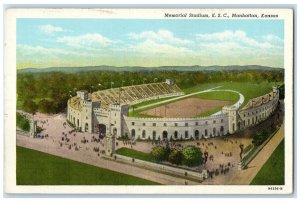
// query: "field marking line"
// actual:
[[237, 104], [176, 98]]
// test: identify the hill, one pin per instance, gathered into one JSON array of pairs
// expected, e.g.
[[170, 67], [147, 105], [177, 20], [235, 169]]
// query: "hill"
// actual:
[[162, 68]]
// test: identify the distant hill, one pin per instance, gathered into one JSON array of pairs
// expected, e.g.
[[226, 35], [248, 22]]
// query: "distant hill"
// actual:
[[162, 68]]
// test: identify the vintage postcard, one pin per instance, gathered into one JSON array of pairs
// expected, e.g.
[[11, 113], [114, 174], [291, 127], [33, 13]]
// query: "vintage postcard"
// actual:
[[149, 101]]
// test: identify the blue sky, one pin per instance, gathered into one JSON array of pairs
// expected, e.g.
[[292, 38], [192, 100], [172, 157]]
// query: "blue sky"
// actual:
[[148, 42]]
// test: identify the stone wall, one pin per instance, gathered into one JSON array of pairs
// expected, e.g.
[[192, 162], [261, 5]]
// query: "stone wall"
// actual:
[[176, 128]]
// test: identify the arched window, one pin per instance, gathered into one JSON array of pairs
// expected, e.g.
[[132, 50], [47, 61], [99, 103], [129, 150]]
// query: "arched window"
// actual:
[[186, 134], [133, 133], [214, 131], [205, 132], [144, 134], [197, 134], [176, 134]]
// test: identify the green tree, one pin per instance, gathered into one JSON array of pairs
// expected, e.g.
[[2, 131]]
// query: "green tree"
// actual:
[[192, 156], [158, 153], [46, 106], [30, 106], [175, 157], [23, 123]]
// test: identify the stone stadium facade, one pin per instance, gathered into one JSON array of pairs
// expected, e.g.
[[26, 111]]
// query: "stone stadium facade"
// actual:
[[106, 112]]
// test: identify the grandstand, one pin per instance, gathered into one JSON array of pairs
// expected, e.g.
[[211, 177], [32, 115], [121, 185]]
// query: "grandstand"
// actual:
[[130, 94], [76, 103], [256, 102]]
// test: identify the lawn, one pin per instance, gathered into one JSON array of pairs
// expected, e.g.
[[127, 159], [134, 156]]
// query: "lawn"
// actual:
[[134, 154], [272, 172], [249, 90], [37, 168]]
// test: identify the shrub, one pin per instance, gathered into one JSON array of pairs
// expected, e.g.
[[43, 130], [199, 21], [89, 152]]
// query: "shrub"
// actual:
[[260, 137], [158, 153], [192, 156], [175, 157], [23, 123], [39, 129]]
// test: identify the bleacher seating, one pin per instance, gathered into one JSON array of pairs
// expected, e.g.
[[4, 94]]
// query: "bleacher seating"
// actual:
[[135, 94], [255, 102]]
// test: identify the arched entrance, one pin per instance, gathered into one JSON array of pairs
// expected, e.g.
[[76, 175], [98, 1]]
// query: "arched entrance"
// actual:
[[86, 127], [197, 134], [222, 130], [102, 129], [132, 134], [165, 135], [154, 135], [239, 126]]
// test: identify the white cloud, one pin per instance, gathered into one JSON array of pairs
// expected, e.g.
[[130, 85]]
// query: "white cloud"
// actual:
[[222, 36], [152, 48], [272, 38], [28, 50], [237, 36], [85, 41], [50, 29], [162, 36], [238, 43]]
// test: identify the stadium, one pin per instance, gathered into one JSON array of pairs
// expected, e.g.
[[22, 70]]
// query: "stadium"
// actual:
[[111, 111]]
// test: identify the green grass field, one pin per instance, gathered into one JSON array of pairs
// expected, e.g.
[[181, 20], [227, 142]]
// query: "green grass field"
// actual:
[[249, 90], [134, 154], [37, 168], [272, 172]]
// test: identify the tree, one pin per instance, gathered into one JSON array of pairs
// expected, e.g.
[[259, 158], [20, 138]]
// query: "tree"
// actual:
[[192, 156], [46, 106], [158, 153], [23, 123], [175, 157], [30, 106]]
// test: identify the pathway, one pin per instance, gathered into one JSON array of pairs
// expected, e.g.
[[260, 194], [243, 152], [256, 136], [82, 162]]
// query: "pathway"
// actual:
[[90, 158], [247, 175]]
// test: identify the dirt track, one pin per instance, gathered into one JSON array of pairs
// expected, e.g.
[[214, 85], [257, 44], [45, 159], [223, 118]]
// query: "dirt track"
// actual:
[[186, 108]]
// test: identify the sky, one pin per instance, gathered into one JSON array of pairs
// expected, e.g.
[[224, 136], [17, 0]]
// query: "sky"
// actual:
[[148, 42]]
